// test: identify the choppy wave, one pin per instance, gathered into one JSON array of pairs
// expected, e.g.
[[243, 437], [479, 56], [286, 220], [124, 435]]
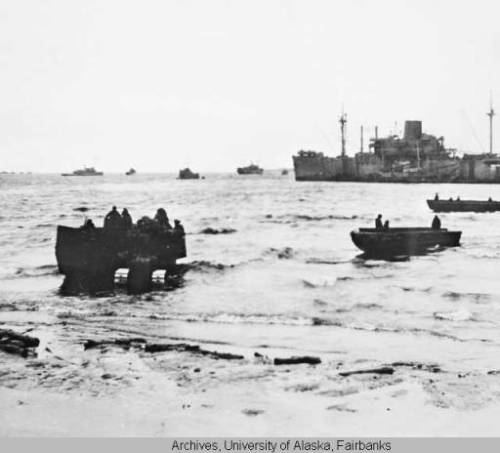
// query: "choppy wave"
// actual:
[[299, 320], [459, 315], [292, 218], [331, 281], [284, 253], [39, 271], [203, 266], [19, 305], [477, 297], [236, 318], [326, 261], [210, 230], [308, 283]]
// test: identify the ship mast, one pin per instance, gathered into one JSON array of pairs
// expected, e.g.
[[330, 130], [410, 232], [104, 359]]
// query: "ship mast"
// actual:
[[342, 121], [491, 114], [361, 141]]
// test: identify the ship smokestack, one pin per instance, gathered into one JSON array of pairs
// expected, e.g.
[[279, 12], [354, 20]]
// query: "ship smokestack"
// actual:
[[376, 132], [413, 130]]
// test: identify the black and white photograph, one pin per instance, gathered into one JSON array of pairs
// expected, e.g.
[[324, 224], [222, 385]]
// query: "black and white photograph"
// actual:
[[249, 219]]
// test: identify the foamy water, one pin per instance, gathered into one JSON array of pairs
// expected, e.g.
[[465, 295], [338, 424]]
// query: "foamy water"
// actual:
[[288, 281]]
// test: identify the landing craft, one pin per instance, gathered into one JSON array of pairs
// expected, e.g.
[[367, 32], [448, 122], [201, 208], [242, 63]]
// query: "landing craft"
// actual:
[[251, 169], [403, 241], [186, 173], [464, 205], [89, 257]]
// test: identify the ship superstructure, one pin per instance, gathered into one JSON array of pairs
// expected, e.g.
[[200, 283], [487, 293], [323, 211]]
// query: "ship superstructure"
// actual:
[[413, 157]]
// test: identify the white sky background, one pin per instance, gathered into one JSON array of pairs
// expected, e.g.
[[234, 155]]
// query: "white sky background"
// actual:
[[215, 84]]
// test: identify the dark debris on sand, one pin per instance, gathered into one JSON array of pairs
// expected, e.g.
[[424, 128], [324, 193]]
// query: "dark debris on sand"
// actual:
[[16, 343], [295, 360], [142, 344], [418, 366], [194, 349], [126, 343], [380, 370]]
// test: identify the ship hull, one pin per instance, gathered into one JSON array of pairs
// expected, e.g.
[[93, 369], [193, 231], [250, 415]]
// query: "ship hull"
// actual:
[[90, 174], [403, 241], [242, 171], [335, 169], [463, 205]]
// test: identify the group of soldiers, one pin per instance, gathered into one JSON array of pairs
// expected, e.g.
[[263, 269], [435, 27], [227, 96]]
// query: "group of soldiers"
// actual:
[[436, 198], [114, 219], [436, 223], [123, 221]]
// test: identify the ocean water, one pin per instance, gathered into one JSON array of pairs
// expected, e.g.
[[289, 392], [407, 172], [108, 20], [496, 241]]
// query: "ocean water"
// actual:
[[287, 281]]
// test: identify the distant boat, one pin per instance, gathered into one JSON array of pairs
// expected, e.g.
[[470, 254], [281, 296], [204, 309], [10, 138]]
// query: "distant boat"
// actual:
[[186, 173], [464, 205], [251, 169], [131, 172], [284, 172], [86, 171]]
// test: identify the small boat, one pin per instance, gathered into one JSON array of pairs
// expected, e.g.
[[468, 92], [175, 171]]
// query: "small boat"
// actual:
[[284, 172], [464, 205], [131, 172], [86, 171], [186, 173], [251, 169], [403, 241]]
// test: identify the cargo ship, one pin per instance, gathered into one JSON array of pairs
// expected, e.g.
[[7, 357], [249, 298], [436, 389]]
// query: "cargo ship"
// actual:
[[251, 169], [86, 171], [415, 157]]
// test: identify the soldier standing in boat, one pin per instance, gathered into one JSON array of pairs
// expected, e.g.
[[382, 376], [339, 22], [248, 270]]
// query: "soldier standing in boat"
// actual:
[[178, 228], [386, 225], [88, 225], [126, 219], [378, 223], [436, 197], [113, 219], [436, 223], [161, 218]]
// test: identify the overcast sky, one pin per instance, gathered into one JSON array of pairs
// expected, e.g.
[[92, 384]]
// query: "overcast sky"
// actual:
[[216, 84]]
